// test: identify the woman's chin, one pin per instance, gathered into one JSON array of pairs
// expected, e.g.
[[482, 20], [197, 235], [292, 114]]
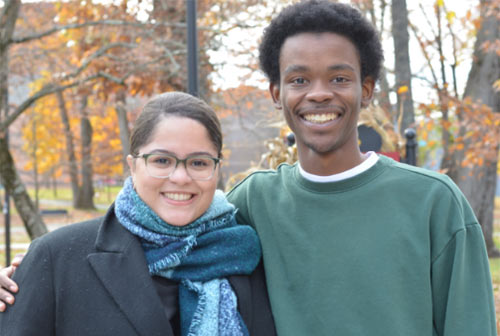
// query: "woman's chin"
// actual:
[[180, 220]]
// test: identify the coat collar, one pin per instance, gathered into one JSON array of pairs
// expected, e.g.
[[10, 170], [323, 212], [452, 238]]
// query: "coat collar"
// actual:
[[120, 264]]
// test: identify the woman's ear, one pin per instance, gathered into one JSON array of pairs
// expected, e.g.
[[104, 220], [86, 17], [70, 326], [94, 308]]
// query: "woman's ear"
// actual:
[[131, 165]]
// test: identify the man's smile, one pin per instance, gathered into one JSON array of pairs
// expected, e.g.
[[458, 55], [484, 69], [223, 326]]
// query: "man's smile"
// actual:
[[320, 118]]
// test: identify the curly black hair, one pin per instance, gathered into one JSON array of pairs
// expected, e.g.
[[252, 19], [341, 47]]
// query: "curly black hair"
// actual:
[[319, 16]]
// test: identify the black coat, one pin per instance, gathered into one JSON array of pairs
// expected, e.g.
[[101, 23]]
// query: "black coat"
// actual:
[[91, 278]]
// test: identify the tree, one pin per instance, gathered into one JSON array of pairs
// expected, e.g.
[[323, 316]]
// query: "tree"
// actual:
[[475, 172], [8, 173], [402, 64]]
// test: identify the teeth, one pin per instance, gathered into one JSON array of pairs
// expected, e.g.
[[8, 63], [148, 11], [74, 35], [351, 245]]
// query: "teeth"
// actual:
[[177, 196], [320, 118]]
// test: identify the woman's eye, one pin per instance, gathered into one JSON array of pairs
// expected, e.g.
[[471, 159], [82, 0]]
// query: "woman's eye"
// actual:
[[162, 160], [199, 163]]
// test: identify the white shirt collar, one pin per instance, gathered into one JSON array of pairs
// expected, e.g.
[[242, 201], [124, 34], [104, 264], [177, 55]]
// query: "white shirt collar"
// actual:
[[362, 167]]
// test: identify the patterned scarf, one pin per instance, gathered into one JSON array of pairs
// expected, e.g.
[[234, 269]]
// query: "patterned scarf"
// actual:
[[199, 256]]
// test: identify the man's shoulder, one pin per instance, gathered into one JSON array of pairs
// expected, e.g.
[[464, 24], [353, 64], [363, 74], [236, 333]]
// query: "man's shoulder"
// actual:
[[259, 177], [419, 175]]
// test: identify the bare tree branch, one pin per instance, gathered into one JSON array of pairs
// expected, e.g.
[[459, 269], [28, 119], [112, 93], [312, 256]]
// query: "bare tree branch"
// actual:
[[45, 91], [100, 52], [53, 30]]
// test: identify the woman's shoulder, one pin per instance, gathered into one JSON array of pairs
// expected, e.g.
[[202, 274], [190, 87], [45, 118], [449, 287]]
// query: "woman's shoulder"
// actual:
[[71, 236]]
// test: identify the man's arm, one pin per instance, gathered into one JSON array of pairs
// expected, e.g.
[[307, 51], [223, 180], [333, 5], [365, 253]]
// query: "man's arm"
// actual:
[[462, 289]]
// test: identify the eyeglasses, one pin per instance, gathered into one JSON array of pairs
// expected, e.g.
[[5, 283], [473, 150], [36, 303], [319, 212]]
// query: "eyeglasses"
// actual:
[[198, 167]]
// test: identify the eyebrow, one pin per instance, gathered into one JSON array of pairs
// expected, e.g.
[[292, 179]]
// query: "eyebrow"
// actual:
[[163, 151], [302, 68]]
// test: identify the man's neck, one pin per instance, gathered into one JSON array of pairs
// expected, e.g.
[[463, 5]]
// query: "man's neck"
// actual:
[[330, 163]]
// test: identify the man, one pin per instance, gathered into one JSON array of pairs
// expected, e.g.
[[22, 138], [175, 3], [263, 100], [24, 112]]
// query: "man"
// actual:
[[355, 244]]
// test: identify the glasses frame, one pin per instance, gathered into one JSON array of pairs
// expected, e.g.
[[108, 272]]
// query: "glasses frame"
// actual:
[[177, 161]]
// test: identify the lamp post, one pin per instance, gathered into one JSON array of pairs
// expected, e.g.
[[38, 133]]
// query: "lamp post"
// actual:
[[6, 211], [411, 146], [192, 46]]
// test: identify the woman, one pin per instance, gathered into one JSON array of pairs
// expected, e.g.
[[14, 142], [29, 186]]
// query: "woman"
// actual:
[[167, 258]]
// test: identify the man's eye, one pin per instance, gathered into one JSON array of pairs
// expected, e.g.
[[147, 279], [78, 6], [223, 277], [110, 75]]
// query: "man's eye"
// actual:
[[299, 81], [340, 79]]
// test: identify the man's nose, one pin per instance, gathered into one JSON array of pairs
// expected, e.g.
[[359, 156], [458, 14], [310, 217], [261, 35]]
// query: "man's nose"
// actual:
[[320, 92]]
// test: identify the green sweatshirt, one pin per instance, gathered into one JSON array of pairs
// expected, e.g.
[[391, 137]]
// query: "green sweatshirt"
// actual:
[[393, 251]]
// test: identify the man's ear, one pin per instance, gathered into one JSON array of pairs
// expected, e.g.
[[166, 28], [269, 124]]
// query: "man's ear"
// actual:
[[274, 89], [367, 90]]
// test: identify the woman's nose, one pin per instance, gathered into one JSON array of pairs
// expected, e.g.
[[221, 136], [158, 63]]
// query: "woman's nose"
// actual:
[[180, 174]]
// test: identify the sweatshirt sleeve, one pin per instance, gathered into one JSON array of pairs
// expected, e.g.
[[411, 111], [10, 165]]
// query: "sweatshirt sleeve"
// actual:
[[461, 286], [238, 196], [33, 311]]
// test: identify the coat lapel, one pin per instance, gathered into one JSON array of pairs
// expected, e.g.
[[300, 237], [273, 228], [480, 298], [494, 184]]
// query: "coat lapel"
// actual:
[[121, 266]]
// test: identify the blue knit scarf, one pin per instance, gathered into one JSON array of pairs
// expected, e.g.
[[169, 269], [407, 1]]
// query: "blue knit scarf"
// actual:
[[199, 256]]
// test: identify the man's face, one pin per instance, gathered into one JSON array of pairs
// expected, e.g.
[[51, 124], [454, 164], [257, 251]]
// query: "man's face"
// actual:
[[321, 91]]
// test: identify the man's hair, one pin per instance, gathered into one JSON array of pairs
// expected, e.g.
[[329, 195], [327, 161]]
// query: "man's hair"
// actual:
[[320, 16]]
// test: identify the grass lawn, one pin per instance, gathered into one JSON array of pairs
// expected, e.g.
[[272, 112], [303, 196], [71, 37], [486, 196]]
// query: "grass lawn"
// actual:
[[103, 195]]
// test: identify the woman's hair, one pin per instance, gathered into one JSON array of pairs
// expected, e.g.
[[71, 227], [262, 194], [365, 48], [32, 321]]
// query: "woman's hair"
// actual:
[[321, 16], [174, 104]]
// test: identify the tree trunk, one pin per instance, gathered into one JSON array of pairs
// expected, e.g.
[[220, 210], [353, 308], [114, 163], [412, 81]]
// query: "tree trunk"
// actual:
[[402, 63], [86, 199], [479, 183], [121, 112], [10, 179], [8, 174], [70, 149], [35, 165]]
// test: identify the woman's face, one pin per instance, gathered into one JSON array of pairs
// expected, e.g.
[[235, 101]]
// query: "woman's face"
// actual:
[[178, 199]]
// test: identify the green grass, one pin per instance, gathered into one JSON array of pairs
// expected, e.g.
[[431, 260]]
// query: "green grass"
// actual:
[[495, 264], [104, 195]]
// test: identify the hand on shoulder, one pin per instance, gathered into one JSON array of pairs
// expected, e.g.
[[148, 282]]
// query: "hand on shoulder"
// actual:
[[7, 285]]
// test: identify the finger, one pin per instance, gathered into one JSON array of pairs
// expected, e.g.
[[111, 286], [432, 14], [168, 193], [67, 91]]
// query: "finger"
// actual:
[[6, 297], [5, 282], [2, 307], [17, 259]]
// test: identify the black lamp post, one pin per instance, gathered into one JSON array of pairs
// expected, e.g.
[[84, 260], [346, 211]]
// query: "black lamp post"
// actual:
[[411, 146], [192, 46]]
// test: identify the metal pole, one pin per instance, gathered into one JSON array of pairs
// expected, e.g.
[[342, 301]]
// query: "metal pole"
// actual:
[[192, 44], [411, 146], [6, 211]]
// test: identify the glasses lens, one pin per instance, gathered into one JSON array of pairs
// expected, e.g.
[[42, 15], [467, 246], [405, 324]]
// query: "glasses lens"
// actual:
[[200, 167], [160, 165]]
